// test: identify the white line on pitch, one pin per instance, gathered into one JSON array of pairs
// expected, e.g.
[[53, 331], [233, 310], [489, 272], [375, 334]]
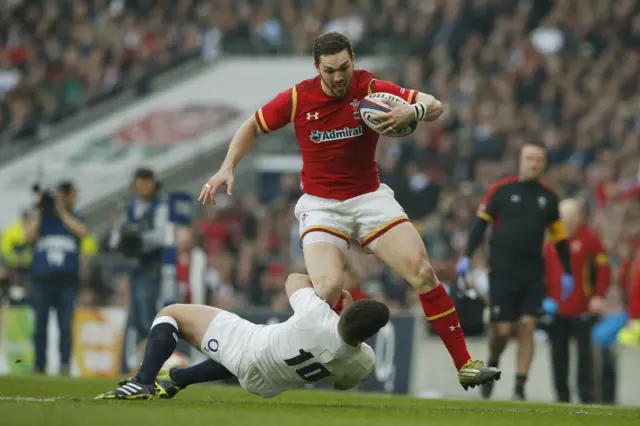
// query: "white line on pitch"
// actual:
[[26, 399]]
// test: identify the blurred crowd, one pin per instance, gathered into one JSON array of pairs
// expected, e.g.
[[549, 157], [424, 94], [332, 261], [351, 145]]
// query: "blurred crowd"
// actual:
[[60, 57], [507, 71]]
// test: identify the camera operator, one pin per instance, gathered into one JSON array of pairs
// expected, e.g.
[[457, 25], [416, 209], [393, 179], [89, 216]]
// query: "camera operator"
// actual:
[[141, 240], [56, 233]]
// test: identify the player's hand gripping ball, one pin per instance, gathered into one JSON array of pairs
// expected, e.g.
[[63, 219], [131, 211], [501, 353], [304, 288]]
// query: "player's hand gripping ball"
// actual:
[[388, 114]]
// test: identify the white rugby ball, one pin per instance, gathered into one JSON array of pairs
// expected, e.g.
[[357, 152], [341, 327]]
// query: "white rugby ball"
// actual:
[[374, 104]]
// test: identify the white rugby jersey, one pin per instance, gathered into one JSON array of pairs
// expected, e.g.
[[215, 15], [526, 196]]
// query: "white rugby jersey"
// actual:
[[308, 349]]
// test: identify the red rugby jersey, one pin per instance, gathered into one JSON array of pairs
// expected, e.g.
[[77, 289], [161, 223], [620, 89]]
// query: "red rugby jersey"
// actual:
[[338, 150], [588, 256]]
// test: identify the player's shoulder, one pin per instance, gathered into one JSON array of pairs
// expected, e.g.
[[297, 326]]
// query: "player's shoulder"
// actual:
[[362, 80], [363, 76], [308, 86]]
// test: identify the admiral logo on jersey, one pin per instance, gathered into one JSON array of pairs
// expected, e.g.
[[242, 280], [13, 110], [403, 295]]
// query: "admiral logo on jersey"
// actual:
[[318, 136]]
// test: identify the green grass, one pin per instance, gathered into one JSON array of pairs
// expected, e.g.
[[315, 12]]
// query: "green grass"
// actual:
[[69, 402]]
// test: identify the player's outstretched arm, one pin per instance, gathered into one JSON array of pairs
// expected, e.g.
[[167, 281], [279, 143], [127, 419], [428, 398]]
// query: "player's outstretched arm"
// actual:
[[242, 141]]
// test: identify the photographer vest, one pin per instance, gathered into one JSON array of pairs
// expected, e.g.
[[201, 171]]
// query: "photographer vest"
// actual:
[[146, 222], [56, 252]]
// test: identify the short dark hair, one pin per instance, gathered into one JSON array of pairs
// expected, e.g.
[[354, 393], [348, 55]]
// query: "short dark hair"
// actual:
[[329, 44], [65, 186], [363, 319], [144, 173]]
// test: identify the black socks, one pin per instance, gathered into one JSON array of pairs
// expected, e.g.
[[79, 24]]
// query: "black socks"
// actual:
[[206, 371], [161, 343]]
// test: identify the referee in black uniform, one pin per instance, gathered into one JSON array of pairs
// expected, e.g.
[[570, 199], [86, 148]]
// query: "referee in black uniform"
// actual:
[[520, 209]]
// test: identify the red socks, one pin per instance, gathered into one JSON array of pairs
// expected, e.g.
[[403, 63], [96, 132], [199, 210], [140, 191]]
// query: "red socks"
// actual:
[[439, 310]]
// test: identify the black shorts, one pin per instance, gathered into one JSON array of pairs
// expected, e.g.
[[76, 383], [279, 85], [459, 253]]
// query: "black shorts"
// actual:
[[512, 297]]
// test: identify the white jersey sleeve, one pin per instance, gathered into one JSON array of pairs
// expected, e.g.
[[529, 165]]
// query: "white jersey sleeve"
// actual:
[[305, 300]]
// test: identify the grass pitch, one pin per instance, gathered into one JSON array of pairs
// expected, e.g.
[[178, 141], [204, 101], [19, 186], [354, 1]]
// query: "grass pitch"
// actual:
[[37, 401]]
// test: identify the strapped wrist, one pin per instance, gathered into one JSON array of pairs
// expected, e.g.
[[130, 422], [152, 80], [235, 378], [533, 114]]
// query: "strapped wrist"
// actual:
[[419, 110]]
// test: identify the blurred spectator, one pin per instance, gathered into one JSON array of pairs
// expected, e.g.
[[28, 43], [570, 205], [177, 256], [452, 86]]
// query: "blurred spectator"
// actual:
[[57, 58], [141, 239]]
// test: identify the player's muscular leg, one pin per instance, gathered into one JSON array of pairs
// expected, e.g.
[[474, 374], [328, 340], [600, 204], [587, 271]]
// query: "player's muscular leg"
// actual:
[[193, 320], [525, 344], [402, 249], [325, 265]]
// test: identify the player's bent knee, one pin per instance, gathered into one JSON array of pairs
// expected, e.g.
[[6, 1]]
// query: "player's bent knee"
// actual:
[[329, 287], [192, 320], [425, 278]]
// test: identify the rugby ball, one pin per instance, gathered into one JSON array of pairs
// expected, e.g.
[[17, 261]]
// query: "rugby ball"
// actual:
[[374, 104]]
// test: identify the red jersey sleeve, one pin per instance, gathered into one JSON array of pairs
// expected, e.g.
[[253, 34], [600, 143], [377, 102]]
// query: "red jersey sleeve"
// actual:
[[408, 95], [603, 271], [278, 112]]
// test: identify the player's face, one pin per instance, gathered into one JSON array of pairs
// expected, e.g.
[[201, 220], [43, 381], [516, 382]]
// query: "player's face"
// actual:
[[532, 162], [144, 187], [336, 72]]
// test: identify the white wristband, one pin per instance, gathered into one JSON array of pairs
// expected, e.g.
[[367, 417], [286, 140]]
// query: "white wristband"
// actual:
[[420, 110]]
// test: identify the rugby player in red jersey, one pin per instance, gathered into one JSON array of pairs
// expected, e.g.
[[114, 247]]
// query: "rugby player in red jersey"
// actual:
[[343, 197]]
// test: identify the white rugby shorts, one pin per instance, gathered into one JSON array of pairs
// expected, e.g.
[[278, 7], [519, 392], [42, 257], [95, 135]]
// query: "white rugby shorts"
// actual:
[[230, 341], [364, 218]]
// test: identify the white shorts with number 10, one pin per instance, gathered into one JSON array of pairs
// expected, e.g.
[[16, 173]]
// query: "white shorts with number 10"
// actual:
[[364, 218]]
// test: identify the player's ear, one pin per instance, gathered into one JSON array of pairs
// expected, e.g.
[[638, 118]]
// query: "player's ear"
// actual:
[[315, 65]]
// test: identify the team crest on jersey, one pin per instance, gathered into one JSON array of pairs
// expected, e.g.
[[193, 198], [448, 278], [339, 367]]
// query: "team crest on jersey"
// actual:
[[319, 136], [542, 202], [356, 112]]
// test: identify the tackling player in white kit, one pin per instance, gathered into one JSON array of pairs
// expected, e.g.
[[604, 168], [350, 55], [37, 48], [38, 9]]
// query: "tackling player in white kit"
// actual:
[[314, 345]]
